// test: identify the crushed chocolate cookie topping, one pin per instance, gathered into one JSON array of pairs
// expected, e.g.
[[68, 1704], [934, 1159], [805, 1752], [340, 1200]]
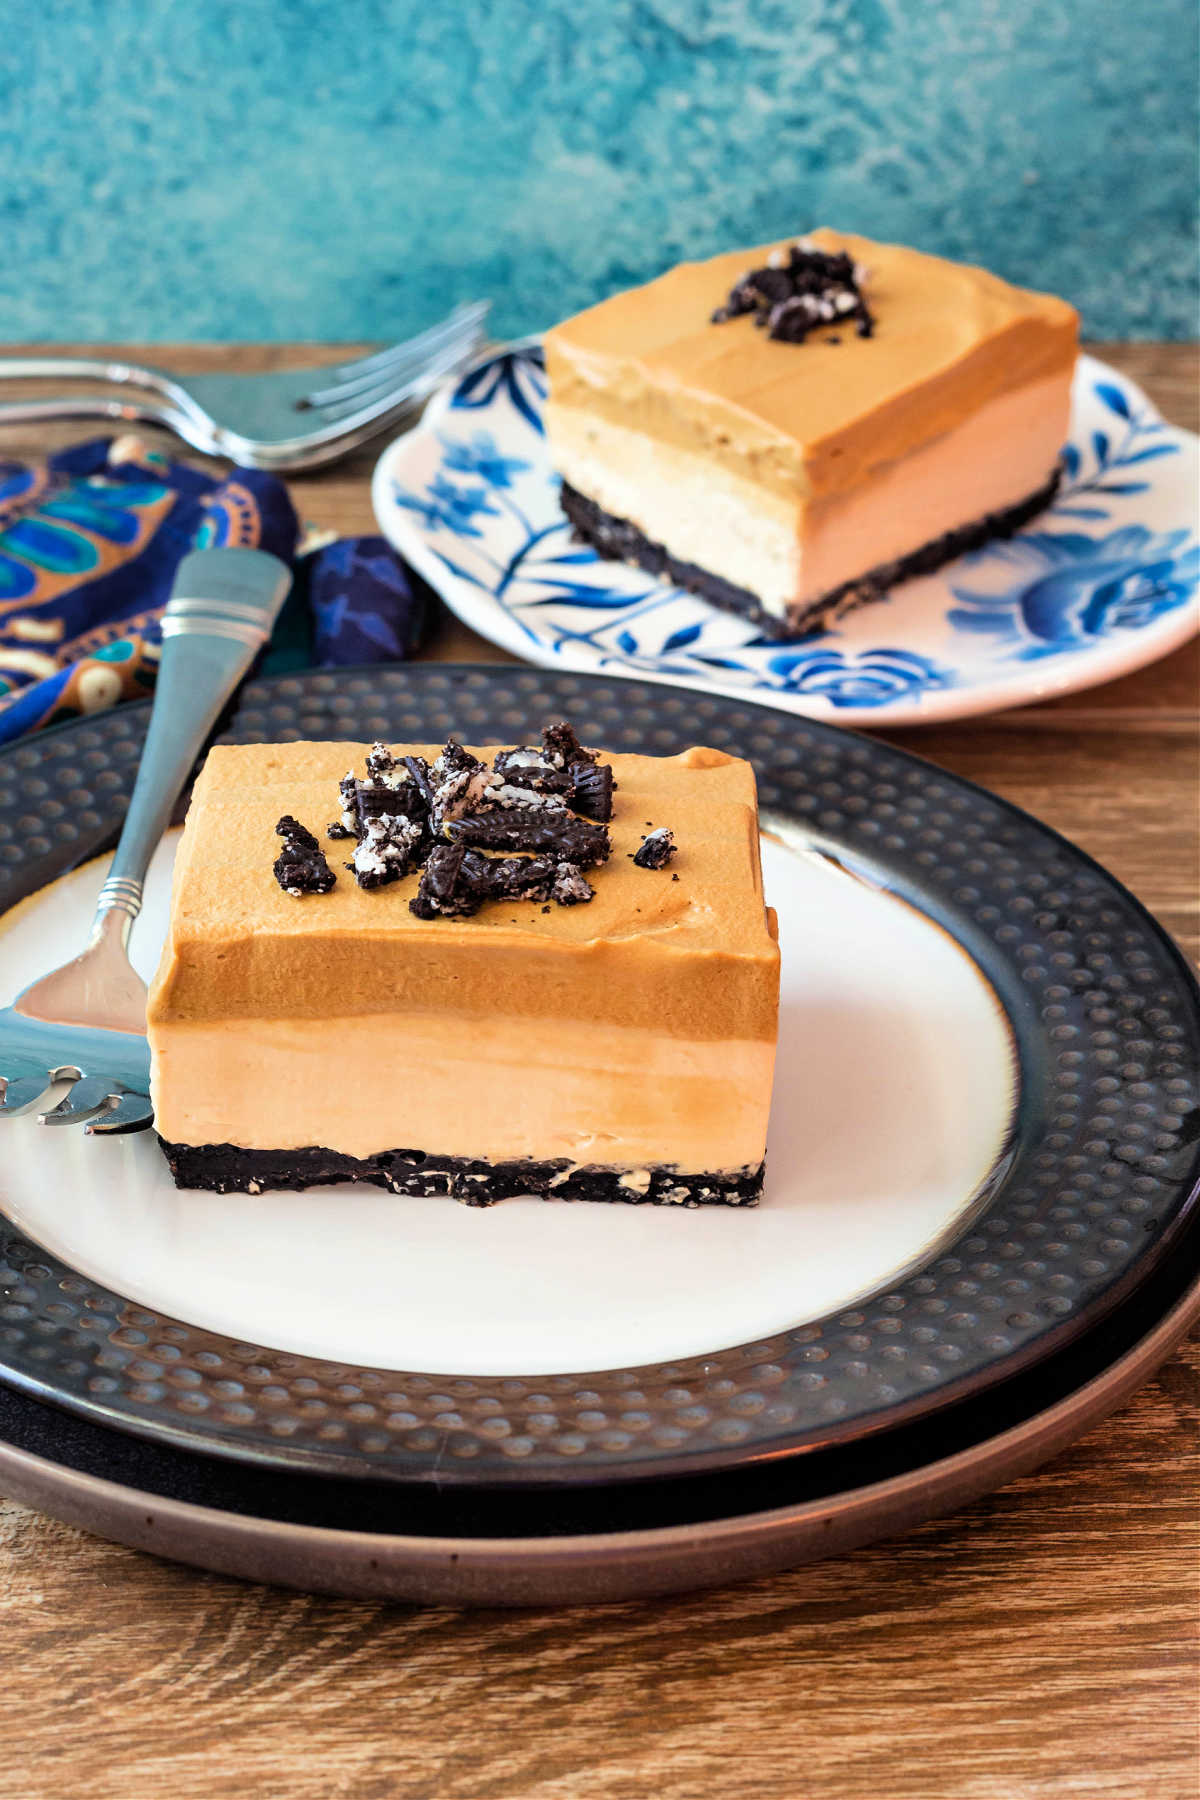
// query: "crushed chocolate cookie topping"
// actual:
[[389, 791], [461, 783], [348, 791], [526, 767], [451, 883], [562, 768], [532, 828], [383, 769], [526, 759], [387, 814], [658, 847], [510, 795], [389, 848], [570, 888], [546, 806], [458, 880], [521, 877], [562, 747], [418, 770], [377, 801], [800, 290], [300, 867], [591, 791]]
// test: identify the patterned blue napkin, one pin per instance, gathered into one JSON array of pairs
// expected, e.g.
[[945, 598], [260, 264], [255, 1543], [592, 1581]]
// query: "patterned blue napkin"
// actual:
[[89, 544]]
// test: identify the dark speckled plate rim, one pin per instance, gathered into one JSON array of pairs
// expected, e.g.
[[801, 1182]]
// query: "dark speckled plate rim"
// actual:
[[424, 700], [521, 1549]]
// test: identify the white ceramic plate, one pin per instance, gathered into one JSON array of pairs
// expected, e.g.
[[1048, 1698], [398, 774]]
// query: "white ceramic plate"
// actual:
[[1102, 582], [873, 996]]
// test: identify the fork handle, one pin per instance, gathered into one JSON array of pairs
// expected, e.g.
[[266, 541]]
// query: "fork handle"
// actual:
[[79, 368], [83, 406], [222, 608]]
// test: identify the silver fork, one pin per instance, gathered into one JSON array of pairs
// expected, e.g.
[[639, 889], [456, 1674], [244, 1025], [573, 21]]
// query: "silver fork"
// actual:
[[86, 1022], [293, 419]]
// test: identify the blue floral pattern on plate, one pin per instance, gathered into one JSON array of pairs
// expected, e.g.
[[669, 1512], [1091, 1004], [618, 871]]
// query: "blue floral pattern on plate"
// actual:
[[1105, 580]]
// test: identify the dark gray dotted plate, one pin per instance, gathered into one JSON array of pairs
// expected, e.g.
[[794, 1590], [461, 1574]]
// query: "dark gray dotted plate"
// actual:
[[1093, 1192]]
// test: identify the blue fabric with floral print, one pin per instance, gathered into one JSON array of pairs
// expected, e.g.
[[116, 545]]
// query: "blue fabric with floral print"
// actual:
[[89, 544]]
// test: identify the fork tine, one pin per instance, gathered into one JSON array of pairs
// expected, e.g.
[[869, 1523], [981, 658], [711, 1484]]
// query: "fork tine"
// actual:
[[133, 1112], [327, 404], [388, 396], [88, 1095], [333, 403], [367, 372], [20, 1093]]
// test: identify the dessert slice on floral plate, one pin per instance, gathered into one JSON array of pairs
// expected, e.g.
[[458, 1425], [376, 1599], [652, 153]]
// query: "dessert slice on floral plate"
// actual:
[[1104, 580]]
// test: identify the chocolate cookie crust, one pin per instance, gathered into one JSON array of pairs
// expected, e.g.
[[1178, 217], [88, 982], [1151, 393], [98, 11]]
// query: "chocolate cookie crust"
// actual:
[[621, 541], [227, 1168]]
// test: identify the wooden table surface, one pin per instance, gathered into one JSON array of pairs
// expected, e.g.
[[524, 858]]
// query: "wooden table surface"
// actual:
[[1041, 1643]]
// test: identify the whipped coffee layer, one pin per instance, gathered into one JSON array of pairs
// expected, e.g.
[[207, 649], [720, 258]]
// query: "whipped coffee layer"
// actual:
[[813, 419], [684, 951]]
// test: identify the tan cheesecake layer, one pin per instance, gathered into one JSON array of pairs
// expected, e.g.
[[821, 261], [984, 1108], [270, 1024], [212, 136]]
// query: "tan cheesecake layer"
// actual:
[[814, 419], [786, 550], [488, 1088], [637, 1029]]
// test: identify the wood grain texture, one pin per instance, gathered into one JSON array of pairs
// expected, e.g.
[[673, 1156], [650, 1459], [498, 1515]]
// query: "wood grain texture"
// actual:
[[1040, 1644]]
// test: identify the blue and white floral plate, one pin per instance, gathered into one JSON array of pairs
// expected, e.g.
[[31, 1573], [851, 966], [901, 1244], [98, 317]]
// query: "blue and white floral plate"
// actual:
[[1102, 582]]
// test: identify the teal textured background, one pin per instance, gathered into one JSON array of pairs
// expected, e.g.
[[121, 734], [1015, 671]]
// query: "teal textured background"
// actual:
[[243, 169]]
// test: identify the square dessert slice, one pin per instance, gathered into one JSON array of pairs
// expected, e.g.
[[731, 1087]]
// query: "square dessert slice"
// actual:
[[507, 992], [791, 430]]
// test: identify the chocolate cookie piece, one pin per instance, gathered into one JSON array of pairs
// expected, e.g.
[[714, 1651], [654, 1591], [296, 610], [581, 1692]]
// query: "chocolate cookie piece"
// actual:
[[458, 880], [562, 747], [418, 770], [375, 800], [658, 847], [532, 828], [591, 790], [800, 290], [453, 884], [521, 877], [583, 784], [570, 888], [460, 783], [391, 789], [530, 768], [301, 867], [346, 825], [383, 769], [389, 848]]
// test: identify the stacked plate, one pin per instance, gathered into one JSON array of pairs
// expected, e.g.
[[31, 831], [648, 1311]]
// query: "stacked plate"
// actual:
[[979, 1232]]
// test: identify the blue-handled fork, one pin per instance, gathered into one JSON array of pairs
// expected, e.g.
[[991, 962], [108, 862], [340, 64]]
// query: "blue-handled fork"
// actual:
[[86, 1022]]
